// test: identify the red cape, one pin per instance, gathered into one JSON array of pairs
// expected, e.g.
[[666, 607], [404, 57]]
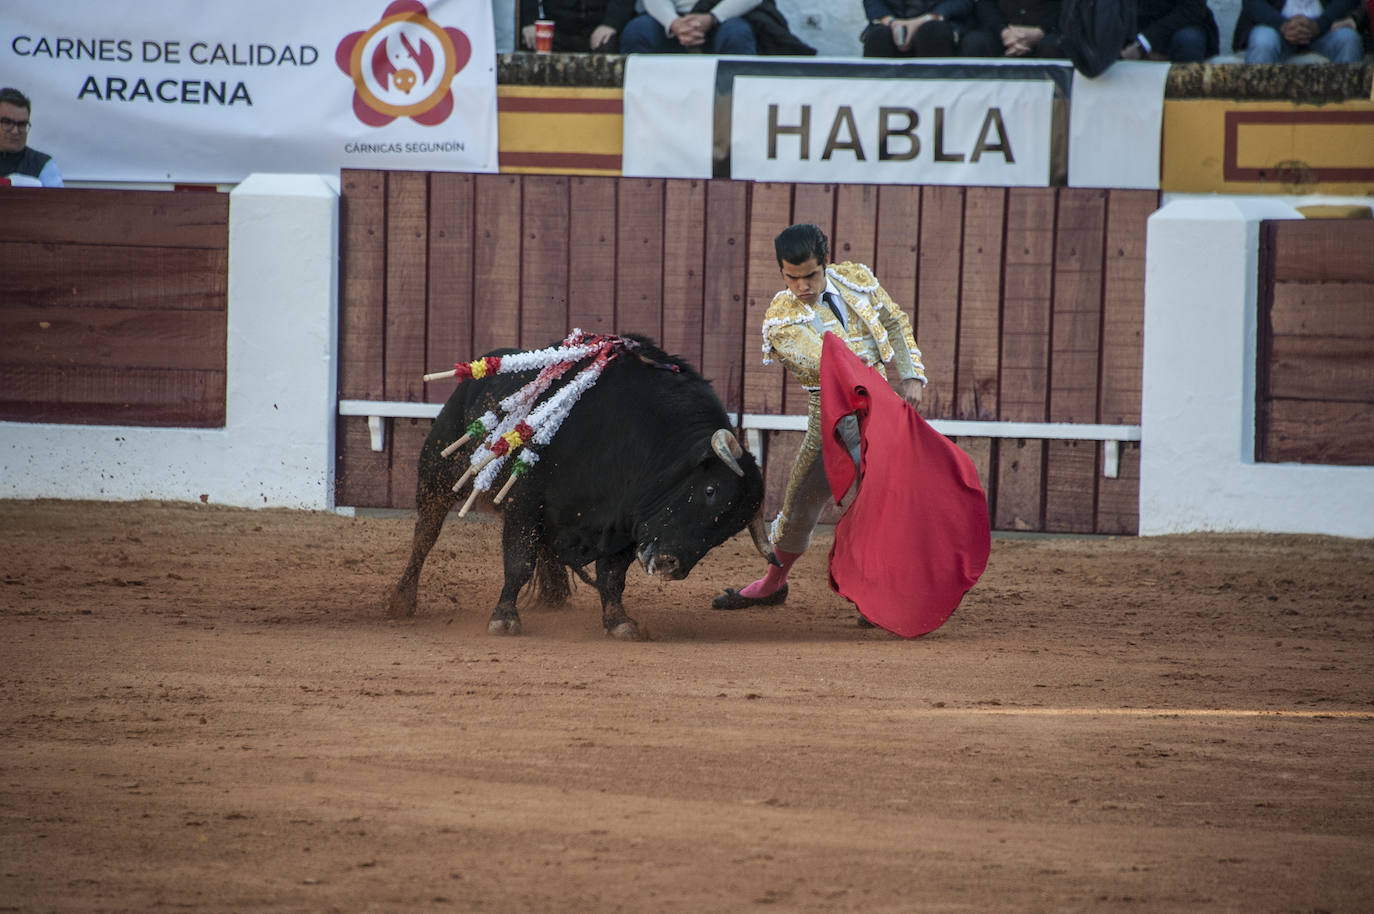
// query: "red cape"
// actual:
[[916, 537]]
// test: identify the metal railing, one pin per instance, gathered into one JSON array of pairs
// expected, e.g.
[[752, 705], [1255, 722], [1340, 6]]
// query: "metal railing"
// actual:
[[1111, 436]]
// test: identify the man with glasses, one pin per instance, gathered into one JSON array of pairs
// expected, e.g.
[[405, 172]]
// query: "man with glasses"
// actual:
[[19, 164]]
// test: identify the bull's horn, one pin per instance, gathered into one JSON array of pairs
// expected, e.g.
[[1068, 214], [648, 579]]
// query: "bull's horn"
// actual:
[[727, 448], [758, 530]]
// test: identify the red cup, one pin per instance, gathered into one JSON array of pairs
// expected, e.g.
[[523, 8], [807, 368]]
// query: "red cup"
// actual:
[[543, 36]]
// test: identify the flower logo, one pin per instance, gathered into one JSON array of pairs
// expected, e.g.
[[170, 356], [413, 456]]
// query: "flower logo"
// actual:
[[403, 65]]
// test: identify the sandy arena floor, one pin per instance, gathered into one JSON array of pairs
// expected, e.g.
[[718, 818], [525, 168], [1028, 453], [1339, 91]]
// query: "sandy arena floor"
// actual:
[[203, 709]]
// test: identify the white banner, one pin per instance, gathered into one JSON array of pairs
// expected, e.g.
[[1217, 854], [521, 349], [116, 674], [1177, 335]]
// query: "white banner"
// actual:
[[870, 121], [166, 90], [1118, 118], [892, 131], [669, 103]]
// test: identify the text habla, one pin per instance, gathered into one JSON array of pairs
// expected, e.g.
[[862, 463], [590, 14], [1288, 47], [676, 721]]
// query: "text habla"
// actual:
[[897, 139]]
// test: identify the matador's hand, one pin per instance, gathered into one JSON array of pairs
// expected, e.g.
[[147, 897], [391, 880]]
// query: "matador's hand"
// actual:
[[912, 389]]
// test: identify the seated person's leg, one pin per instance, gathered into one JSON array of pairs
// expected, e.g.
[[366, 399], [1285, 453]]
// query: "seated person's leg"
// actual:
[[935, 39], [1050, 47], [1340, 46], [1188, 45], [733, 36], [981, 43], [1265, 45], [572, 42], [644, 35], [878, 43]]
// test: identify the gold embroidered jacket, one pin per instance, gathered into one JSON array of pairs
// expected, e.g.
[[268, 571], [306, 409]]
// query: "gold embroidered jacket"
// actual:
[[875, 329]]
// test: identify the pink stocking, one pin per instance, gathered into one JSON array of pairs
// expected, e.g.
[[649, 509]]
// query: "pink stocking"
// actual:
[[774, 578]]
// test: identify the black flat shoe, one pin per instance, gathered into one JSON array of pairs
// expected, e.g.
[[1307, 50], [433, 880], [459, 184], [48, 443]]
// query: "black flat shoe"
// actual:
[[733, 599]]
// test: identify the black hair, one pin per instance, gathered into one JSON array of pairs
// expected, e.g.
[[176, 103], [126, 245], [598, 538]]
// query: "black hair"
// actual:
[[801, 242], [15, 97]]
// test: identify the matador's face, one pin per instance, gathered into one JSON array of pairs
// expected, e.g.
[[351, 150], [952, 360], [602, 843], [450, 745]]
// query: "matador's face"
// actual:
[[805, 280]]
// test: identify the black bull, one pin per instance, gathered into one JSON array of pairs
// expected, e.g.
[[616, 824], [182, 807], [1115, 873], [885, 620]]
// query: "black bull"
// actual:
[[644, 466]]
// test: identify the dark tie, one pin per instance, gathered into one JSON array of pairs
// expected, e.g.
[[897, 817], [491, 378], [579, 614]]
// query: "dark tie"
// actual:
[[836, 307]]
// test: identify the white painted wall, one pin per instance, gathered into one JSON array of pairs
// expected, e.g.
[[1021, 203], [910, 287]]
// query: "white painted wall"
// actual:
[[1197, 467], [277, 446]]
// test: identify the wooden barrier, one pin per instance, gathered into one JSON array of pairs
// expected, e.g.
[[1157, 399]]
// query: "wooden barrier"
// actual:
[[1315, 390], [1027, 305], [112, 307]]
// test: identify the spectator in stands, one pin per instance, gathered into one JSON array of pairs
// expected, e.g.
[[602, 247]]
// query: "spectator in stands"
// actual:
[[1359, 21], [1271, 31], [671, 26], [20, 164], [1013, 28], [1182, 31], [578, 25], [914, 28]]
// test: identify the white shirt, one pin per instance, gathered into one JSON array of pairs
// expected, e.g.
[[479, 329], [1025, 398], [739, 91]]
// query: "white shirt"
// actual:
[[1309, 8]]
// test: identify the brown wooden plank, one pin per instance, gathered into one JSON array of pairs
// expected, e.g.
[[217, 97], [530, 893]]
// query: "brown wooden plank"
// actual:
[[101, 395], [856, 223], [814, 203], [1322, 368], [407, 273], [639, 261], [362, 476], [592, 254], [727, 254], [1071, 471], [448, 337], [128, 217], [1304, 431], [895, 246], [982, 451], [1075, 356], [770, 209], [1123, 304], [406, 438], [810, 203], [113, 337], [1026, 298], [980, 306], [937, 311], [1076, 335], [684, 212], [1324, 250], [496, 254], [362, 286], [544, 265], [1264, 333], [1323, 309], [781, 449], [1020, 502], [1118, 499], [116, 275]]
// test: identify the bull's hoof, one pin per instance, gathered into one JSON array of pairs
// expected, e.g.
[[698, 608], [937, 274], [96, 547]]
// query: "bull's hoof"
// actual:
[[625, 631], [504, 625], [401, 605]]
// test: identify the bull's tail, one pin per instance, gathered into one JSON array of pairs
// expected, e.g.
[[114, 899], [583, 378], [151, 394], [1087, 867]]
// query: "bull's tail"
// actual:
[[550, 585]]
